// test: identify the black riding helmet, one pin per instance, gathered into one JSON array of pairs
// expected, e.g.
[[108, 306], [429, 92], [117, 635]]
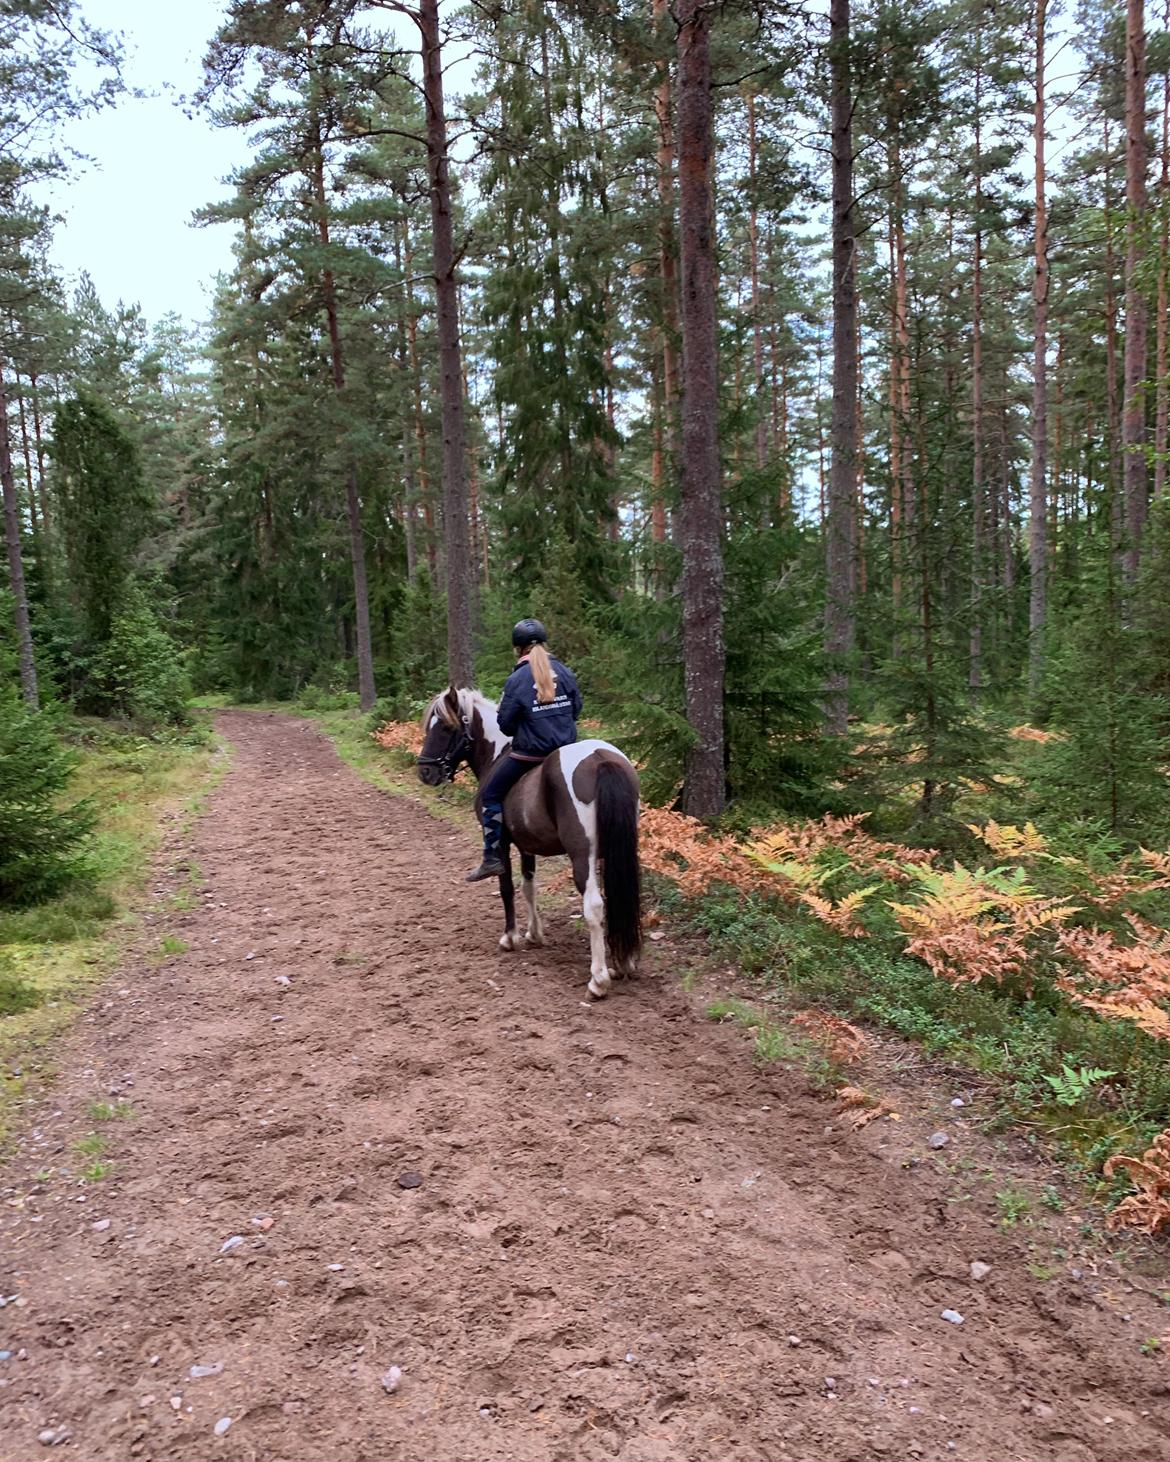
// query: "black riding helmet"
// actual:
[[529, 632]]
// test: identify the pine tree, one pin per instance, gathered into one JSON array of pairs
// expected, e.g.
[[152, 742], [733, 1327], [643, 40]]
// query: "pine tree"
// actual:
[[545, 305], [314, 99], [839, 536], [701, 521]]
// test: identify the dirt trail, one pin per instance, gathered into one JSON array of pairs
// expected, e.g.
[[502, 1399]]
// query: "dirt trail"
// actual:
[[621, 1231]]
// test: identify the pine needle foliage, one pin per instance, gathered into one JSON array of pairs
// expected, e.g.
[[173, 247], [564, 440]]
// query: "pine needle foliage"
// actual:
[[105, 507], [39, 837]]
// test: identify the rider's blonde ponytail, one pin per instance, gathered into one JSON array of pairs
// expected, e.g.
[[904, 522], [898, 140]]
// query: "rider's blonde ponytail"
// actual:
[[542, 674]]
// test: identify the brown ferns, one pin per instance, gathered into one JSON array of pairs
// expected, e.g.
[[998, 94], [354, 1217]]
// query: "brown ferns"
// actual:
[[1009, 841], [1126, 981], [1147, 1210], [400, 736], [681, 849], [802, 842], [841, 1041]]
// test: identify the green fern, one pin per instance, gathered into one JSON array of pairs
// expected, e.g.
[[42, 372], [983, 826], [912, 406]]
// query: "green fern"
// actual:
[[1074, 1084]]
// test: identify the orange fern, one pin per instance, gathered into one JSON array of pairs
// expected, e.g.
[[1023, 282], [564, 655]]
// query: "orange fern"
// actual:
[[862, 1108], [1122, 981], [1147, 1210], [400, 736], [1008, 841], [1032, 733], [843, 1042], [681, 849]]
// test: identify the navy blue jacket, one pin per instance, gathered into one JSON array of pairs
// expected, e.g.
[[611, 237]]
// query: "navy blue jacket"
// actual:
[[537, 729]]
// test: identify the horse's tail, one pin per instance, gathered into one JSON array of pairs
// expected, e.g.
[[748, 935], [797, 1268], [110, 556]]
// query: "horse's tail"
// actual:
[[617, 847]]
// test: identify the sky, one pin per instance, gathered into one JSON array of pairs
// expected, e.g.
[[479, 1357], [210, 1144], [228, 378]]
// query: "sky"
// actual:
[[126, 216]]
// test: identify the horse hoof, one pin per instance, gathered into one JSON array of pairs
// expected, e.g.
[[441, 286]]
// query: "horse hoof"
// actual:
[[599, 989], [511, 940], [534, 937]]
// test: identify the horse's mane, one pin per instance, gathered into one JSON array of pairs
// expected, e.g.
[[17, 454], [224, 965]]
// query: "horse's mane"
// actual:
[[469, 701]]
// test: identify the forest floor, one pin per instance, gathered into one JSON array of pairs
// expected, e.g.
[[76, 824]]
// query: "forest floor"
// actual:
[[338, 1131]]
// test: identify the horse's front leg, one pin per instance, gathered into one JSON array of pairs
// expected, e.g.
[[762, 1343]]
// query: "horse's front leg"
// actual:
[[534, 934], [510, 939]]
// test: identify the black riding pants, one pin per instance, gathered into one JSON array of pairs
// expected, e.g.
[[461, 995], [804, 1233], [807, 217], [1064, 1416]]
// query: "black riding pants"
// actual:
[[495, 790]]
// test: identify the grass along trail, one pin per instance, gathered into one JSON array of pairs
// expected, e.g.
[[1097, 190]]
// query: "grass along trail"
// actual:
[[54, 953], [338, 1131]]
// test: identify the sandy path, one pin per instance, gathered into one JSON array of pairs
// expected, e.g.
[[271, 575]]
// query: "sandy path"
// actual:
[[619, 1227]]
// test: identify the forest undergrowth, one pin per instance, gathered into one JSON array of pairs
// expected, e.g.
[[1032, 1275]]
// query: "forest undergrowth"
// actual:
[[52, 953], [1043, 969]]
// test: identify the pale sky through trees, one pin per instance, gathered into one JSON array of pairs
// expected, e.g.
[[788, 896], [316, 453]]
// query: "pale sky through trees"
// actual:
[[126, 216]]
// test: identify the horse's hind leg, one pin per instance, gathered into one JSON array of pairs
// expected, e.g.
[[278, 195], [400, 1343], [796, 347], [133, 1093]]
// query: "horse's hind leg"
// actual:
[[534, 934], [509, 939], [593, 907]]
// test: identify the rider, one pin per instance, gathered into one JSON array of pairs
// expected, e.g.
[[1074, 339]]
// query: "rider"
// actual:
[[539, 711]]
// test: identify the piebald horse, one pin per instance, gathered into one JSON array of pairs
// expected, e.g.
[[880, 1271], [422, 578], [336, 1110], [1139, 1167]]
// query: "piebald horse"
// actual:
[[581, 800]]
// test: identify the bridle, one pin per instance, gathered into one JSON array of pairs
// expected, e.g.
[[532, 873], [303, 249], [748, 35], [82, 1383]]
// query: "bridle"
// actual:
[[454, 754]]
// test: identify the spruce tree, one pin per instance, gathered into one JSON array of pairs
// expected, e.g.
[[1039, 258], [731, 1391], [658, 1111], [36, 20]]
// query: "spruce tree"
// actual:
[[105, 507], [39, 836]]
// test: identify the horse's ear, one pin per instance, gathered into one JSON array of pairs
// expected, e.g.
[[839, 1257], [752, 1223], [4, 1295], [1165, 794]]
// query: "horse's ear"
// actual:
[[451, 704]]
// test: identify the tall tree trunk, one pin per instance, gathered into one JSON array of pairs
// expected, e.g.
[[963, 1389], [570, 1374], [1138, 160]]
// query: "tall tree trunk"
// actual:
[[367, 692], [409, 491], [859, 568], [1162, 356], [778, 374], [460, 656], [1112, 399], [667, 269], [26, 450], [895, 442], [978, 487], [702, 508], [902, 486], [39, 443], [1038, 502], [754, 261], [1134, 412], [1007, 521], [478, 525], [902, 327], [839, 538], [28, 668], [420, 423], [46, 564]]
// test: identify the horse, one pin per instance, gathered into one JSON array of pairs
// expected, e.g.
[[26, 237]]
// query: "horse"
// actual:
[[581, 800]]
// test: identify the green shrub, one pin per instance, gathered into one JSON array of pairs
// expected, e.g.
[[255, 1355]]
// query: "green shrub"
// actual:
[[395, 708], [38, 837], [1104, 773], [15, 994], [139, 669], [315, 698]]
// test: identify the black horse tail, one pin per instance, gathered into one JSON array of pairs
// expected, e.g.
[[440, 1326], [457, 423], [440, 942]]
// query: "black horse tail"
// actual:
[[617, 847]]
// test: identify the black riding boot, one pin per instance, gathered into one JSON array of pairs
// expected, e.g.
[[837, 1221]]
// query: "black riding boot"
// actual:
[[491, 867], [493, 828]]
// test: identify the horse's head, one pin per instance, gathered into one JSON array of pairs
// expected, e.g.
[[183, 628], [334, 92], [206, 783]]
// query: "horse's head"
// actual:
[[446, 739]]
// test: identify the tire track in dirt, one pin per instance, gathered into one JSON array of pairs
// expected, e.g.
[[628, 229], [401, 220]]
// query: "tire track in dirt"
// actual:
[[621, 1225]]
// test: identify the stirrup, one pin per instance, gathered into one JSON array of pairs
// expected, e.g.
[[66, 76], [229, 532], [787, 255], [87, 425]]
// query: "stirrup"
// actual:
[[491, 867]]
